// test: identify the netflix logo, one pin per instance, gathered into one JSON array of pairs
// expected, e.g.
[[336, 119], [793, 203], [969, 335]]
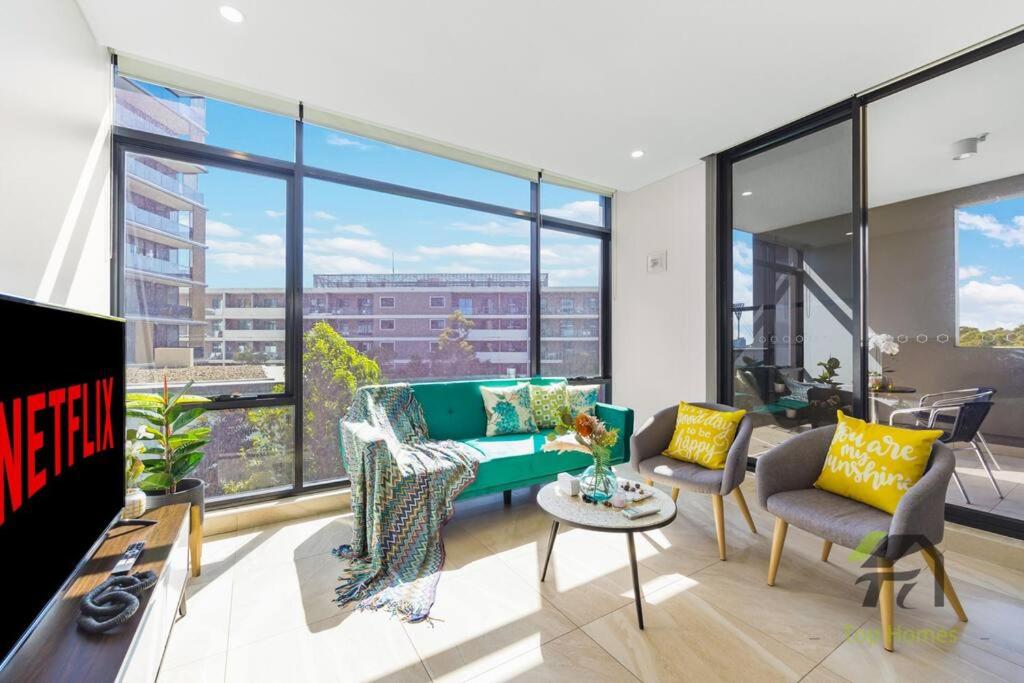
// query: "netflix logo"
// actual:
[[45, 434]]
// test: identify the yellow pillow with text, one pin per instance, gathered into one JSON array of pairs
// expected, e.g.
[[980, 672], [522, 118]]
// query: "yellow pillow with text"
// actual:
[[873, 463], [703, 436]]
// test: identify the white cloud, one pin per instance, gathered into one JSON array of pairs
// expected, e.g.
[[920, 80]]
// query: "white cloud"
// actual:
[[479, 250], [968, 272], [563, 277], [742, 288], [518, 228], [321, 262], [311, 231], [586, 211], [742, 255], [274, 214], [219, 229], [349, 246], [985, 305], [336, 140], [270, 240], [991, 227], [999, 279], [244, 254], [353, 228], [323, 216]]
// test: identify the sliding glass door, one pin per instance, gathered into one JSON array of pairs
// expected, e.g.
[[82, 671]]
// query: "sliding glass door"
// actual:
[[790, 298]]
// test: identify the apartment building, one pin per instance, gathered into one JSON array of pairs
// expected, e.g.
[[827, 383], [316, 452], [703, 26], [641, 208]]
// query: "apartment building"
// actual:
[[165, 225], [399, 318]]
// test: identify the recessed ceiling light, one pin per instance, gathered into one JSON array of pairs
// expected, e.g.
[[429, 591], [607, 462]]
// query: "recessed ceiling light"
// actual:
[[636, 153], [232, 14], [746, 193]]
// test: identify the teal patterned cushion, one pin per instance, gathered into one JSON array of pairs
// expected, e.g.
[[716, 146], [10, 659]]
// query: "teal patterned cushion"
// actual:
[[583, 398], [508, 410], [547, 400]]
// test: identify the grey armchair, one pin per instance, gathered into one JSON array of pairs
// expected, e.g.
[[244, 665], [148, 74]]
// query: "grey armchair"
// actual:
[[785, 487], [654, 436]]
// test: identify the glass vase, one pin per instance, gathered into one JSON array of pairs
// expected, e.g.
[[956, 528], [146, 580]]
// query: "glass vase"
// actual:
[[599, 481]]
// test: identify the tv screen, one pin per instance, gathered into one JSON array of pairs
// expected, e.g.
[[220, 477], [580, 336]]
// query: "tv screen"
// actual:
[[61, 450]]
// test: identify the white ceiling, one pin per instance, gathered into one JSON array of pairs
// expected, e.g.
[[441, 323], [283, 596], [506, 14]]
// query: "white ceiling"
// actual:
[[571, 86]]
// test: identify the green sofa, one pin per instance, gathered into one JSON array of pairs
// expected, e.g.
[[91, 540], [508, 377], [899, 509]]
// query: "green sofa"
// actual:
[[455, 410]]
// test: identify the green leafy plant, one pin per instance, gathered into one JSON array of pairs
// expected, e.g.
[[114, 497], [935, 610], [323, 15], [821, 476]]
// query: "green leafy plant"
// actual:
[[172, 446], [828, 373]]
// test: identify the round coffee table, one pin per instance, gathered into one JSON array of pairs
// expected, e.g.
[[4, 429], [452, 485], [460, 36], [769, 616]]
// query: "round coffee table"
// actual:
[[571, 510]]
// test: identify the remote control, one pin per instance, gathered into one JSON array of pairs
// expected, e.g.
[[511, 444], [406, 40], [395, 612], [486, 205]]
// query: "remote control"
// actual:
[[642, 511], [127, 561]]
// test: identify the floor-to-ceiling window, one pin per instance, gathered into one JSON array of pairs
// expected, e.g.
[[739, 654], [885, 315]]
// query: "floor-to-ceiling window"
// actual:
[[280, 265], [946, 268], [790, 300], [869, 262]]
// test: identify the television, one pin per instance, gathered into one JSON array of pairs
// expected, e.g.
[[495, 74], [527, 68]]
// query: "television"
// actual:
[[61, 452]]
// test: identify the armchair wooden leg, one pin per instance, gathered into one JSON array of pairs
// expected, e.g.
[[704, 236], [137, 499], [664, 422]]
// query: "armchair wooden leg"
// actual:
[[886, 601], [742, 502], [825, 550], [675, 494], [719, 507], [778, 540], [935, 563]]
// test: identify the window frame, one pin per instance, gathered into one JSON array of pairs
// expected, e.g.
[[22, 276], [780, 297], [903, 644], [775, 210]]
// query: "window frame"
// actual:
[[127, 140]]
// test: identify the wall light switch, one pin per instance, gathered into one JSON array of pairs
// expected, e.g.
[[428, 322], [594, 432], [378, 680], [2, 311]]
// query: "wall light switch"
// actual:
[[657, 262]]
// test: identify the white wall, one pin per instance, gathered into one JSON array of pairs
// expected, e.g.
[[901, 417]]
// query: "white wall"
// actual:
[[659, 320], [54, 156]]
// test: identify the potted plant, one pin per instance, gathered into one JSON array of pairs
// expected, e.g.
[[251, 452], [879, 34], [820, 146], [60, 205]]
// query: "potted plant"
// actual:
[[171, 445], [588, 435], [883, 345]]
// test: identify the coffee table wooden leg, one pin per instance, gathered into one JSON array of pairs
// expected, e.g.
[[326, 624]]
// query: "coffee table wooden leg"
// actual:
[[636, 580], [551, 546]]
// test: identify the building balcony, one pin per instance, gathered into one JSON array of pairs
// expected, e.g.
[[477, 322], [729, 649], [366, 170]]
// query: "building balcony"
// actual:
[[246, 313], [504, 356], [169, 311], [252, 335], [498, 335], [170, 183], [150, 264], [148, 219]]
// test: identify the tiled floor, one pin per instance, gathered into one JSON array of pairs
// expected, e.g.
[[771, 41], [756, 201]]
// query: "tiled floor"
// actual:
[[262, 610], [1009, 474]]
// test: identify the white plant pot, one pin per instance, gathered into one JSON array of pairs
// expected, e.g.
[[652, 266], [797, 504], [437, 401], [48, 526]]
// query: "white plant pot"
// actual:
[[134, 504]]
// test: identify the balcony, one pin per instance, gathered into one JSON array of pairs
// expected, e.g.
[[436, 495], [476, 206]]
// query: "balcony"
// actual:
[[498, 335], [157, 222], [172, 184], [151, 264], [168, 311]]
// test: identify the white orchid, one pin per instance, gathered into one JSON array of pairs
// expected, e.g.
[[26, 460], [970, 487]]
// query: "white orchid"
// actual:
[[883, 343]]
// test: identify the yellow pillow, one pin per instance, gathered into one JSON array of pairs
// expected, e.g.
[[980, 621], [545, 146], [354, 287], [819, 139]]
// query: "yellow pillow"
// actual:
[[703, 436], [873, 463]]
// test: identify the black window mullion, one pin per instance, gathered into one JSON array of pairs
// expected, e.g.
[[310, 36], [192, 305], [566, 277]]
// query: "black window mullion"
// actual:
[[293, 299], [535, 279]]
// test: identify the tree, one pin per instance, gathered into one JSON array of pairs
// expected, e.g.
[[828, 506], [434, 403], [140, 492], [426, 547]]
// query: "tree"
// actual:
[[332, 372], [455, 356]]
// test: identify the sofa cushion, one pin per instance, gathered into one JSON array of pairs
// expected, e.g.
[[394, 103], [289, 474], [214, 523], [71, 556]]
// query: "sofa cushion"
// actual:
[[508, 410], [508, 445], [686, 475], [834, 518], [455, 410]]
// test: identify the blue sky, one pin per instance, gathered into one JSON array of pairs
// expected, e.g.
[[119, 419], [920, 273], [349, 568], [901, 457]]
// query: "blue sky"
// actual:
[[990, 263], [348, 230]]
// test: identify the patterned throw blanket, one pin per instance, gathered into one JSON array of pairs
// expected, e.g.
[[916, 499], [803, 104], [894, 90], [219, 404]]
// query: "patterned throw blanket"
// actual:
[[403, 489]]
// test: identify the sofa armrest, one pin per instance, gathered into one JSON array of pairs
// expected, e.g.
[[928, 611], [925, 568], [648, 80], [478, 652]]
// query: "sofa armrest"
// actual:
[[653, 437], [622, 419], [921, 512], [792, 465]]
